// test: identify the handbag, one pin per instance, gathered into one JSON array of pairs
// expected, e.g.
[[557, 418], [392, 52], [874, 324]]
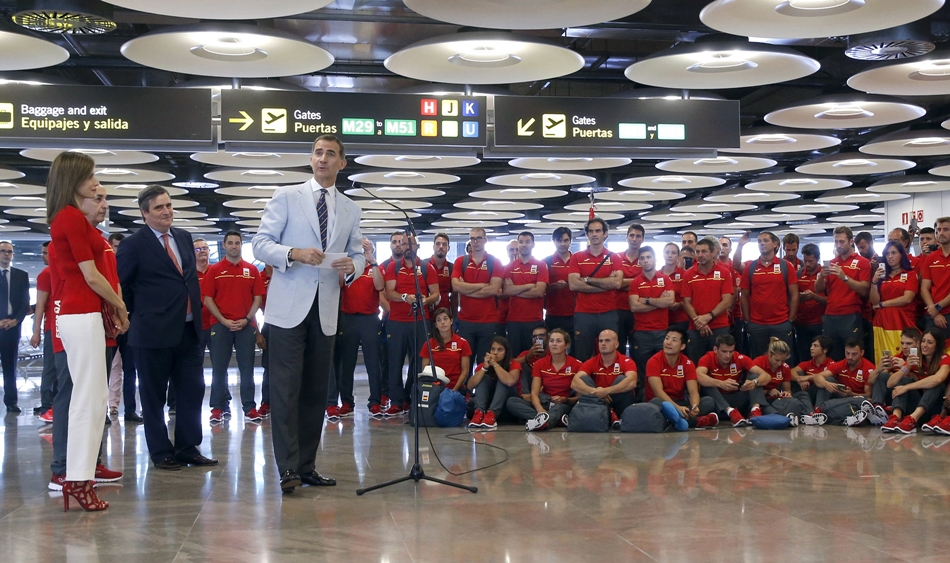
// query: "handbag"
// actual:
[[108, 320]]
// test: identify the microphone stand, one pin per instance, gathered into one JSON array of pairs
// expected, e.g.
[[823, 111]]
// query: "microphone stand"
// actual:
[[416, 473]]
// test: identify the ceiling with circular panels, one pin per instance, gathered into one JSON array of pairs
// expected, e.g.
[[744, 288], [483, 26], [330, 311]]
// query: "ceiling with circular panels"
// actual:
[[795, 116]]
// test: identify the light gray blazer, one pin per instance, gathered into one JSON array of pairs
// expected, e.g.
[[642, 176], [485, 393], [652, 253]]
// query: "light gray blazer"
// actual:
[[290, 221]]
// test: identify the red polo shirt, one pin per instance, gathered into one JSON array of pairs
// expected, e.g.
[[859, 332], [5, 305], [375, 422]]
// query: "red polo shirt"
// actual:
[[584, 263], [842, 300], [43, 284], [674, 377], [781, 375], [109, 270], [76, 241], [706, 291], [605, 375], [559, 303], [233, 288], [679, 315], [207, 319], [630, 269], [768, 292], [520, 309], [445, 283], [897, 318], [399, 310], [811, 368], [448, 357], [855, 378], [473, 309], [809, 312], [556, 382], [936, 268], [55, 297], [658, 319], [738, 364], [361, 297]]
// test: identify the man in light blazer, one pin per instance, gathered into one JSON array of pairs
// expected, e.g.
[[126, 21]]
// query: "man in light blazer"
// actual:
[[300, 225]]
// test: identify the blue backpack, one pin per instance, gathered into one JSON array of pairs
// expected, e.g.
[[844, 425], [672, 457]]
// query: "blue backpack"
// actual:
[[770, 422], [451, 409]]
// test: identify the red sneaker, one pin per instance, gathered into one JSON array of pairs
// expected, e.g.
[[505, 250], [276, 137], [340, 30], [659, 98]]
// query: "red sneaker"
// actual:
[[614, 420], [489, 421], [217, 415], [375, 411], [384, 402], [106, 475], [756, 411], [932, 424], [891, 424], [943, 427], [333, 412], [394, 410], [56, 482], [477, 419], [264, 410], [346, 410], [736, 417], [47, 418], [711, 420], [253, 415], [908, 425]]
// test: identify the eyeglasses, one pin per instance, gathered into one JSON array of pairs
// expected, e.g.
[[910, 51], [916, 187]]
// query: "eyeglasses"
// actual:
[[475, 239], [6, 252], [202, 249]]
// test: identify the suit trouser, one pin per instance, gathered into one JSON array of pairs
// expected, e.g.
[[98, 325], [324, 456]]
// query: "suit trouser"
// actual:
[[697, 344], [618, 401], [798, 404], [564, 323], [300, 363], [524, 410], [760, 335], [222, 342], [742, 400], [804, 334], [587, 327], [84, 340], [61, 421], [182, 366], [48, 383], [402, 340], [625, 321], [9, 341], [479, 337], [265, 361], [519, 336], [355, 330], [204, 337], [839, 328]]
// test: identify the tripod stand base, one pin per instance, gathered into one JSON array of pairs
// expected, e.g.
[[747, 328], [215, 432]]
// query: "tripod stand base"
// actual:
[[416, 474]]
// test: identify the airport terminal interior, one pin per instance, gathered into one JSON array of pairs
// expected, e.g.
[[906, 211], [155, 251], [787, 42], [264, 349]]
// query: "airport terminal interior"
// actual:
[[719, 117]]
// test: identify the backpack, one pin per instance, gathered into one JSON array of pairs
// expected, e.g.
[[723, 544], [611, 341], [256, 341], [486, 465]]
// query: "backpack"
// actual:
[[590, 414], [642, 418], [427, 391], [451, 409], [770, 422], [468, 257]]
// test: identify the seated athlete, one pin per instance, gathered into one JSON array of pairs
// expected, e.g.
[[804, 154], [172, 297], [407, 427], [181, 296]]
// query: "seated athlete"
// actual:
[[844, 387], [671, 377], [891, 364], [539, 349], [551, 398], [918, 394], [609, 375], [778, 391], [495, 380], [732, 381]]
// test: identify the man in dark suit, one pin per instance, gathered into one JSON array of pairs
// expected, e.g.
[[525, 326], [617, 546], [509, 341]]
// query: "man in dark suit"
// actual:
[[160, 284], [14, 306]]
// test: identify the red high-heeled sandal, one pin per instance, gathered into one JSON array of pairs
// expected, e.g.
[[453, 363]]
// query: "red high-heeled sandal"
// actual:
[[83, 492]]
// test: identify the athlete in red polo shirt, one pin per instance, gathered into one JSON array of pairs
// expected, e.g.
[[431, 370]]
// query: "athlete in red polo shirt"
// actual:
[[847, 280], [609, 375], [559, 299], [708, 294], [672, 270], [551, 377], [440, 249], [450, 351], [811, 303], [594, 276], [649, 297], [768, 293], [732, 380], [232, 290], [477, 278], [526, 281], [630, 266], [846, 382], [935, 286], [671, 377]]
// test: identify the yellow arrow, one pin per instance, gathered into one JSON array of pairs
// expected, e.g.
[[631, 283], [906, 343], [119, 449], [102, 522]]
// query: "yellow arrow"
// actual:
[[247, 120], [523, 128]]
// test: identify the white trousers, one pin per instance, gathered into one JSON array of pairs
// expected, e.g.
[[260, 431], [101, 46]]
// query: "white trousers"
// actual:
[[115, 380], [84, 340]]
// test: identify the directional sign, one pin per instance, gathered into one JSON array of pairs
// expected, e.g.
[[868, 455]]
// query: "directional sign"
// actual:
[[378, 119], [615, 123], [120, 117]]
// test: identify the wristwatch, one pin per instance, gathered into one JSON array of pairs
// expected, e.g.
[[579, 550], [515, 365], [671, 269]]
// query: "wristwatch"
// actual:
[[648, 301], [937, 306], [846, 278], [290, 258], [585, 279]]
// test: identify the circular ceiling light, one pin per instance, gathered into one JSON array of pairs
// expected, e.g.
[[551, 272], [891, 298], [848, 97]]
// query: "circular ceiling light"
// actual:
[[484, 57], [769, 140], [923, 76], [678, 216], [133, 204], [745, 195], [399, 192], [790, 19], [582, 216], [251, 159], [8, 173], [527, 14], [260, 176], [518, 194], [498, 205], [8, 189], [419, 162], [852, 164], [404, 178], [717, 165], [795, 183], [813, 207], [714, 64], [226, 50], [22, 51], [768, 217], [455, 224], [557, 163], [859, 195], [132, 190], [704, 206], [845, 112], [931, 142], [913, 184], [223, 9], [672, 182], [601, 206], [941, 170], [102, 157], [540, 179], [388, 204], [639, 195], [483, 215], [118, 175]]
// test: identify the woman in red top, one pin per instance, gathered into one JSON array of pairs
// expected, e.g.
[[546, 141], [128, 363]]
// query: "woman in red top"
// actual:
[[672, 270], [79, 322], [893, 289], [551, 379], [495, 379], [450, 351], [917, 397], [778, 391]]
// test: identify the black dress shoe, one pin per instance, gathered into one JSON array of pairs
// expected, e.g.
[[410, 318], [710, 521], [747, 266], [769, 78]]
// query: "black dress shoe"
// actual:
[[14, 409], [196, 459], [288, 480], [132, 417], [314, 479], [168, 464], [108, 421]]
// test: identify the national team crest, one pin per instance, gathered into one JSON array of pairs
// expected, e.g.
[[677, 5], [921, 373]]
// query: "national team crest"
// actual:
[[660, 282], [854, 264], [860, 376], [679, 371], [247, 272], [676, 277], [534, 269], [717, 275], [776, 269], [445, 270], [455, 346], [733, 369], [904, 277], [616, 369]]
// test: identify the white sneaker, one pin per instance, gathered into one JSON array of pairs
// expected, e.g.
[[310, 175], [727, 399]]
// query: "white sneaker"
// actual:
[[876, 414], [856, 418], [813, 419], [539, 422], [792, 419]]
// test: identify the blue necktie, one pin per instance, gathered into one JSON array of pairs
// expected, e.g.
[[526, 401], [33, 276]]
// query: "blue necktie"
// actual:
[[5, 291], [323, 214]]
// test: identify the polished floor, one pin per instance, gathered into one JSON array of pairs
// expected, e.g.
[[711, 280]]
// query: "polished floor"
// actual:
[[800, 495]]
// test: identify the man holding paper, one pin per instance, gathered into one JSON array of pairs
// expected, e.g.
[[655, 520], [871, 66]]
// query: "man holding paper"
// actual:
[[308, 233]]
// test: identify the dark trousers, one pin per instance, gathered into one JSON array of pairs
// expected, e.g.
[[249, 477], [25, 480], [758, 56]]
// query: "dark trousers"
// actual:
[[839, 328], [564, 323], [519, 337], [759, 336], [402, 340], [300, 362], [222, 342], [265, 357], [804, 334], [618, 401], [646, 343], [742, 400], [9, 341], [697, 344], [625, 326], [182, 366], [203, 339], [586, 328], [48, 383], [384, 357], [479, 337], [355, 330], [128, 373], [61, 413]]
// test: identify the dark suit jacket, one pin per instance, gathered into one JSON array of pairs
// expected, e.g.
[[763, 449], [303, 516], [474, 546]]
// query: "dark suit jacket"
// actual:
[[154, 292], [19, 295]]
